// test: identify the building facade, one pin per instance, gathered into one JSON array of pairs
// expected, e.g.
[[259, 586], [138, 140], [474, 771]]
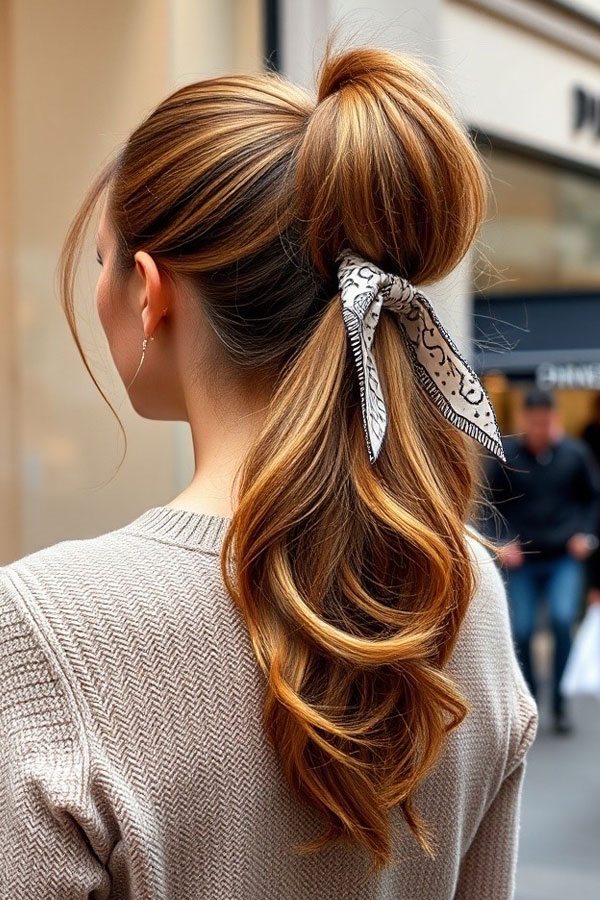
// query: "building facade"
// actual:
[[75, 79], [525, 77]]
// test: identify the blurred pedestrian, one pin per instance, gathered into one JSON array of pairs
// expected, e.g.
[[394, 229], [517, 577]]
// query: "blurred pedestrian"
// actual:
[[591, 432], [548, 497], [591, 435]]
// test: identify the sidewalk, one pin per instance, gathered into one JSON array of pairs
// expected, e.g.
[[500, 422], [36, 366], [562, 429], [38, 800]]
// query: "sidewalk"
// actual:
[[559, 854]]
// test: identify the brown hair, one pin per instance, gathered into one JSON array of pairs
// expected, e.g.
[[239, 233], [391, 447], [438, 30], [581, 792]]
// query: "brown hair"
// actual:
[[353, 578]]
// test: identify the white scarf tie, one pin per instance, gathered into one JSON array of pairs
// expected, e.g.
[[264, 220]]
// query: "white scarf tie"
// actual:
[[439, 366]]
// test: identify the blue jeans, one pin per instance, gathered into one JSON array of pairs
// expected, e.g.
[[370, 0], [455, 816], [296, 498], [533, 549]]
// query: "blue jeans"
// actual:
[[562, 580]]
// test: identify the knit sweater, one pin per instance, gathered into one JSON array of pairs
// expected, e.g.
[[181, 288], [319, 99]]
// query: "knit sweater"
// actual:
[[133, 762]]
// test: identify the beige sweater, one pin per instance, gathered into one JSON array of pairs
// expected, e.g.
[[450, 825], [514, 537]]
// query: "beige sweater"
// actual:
[[132, 758]]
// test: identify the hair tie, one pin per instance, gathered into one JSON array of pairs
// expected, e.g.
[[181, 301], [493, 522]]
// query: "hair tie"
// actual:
[[439, 366]]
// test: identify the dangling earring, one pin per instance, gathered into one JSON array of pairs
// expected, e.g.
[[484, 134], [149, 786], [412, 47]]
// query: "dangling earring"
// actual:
[[144, 345]]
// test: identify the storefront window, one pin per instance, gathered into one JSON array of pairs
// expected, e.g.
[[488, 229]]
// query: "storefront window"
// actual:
[[543, 228]]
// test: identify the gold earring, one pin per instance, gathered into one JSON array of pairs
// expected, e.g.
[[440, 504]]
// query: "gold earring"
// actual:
[[144, 345]]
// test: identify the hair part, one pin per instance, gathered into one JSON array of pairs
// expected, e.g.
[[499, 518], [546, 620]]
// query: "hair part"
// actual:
[[353, 578]]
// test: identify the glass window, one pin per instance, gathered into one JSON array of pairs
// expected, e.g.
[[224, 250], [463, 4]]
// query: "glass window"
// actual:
[[542, 231]]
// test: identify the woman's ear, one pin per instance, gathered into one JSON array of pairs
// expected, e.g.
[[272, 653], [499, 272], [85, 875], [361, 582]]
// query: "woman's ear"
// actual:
[[149, 291]]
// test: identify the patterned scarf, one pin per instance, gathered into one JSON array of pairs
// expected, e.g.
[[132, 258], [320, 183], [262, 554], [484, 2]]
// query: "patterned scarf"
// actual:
[[439, 366]]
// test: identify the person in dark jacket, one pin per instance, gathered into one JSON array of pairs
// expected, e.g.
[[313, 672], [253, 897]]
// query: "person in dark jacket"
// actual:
[[548, 497], [591, 436]]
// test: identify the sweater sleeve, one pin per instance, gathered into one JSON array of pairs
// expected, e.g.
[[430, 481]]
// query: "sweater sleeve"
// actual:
[[488, 868], [44, 768]]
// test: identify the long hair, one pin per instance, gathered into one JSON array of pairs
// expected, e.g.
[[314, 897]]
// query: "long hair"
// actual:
[[353, 578]]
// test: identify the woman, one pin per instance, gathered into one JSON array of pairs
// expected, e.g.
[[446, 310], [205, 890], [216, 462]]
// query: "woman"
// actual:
[[296, 679]]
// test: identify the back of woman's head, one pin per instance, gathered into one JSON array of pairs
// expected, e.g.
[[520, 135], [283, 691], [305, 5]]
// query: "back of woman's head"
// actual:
[[353, 578]]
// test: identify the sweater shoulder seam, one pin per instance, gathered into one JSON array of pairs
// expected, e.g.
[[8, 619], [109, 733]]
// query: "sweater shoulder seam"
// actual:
[[43, 636]]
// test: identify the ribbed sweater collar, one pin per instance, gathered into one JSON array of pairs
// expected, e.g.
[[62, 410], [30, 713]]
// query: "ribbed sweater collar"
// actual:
[[181, 527]]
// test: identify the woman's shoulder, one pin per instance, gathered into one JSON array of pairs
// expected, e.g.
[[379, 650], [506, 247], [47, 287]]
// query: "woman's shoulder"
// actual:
[[55, 591], [485, 641], [485, 666], [69, 569], [109, 563], [487, 572], [488, 609], [68, 591], [78, 591]]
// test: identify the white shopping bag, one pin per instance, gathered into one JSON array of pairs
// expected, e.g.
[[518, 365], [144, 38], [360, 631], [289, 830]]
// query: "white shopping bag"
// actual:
[[582, 671]]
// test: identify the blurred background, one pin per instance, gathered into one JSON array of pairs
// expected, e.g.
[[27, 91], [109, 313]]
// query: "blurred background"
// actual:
[[76, 77]]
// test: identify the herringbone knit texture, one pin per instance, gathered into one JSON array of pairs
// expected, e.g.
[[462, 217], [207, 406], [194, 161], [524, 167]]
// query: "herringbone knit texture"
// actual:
[[133, 762]]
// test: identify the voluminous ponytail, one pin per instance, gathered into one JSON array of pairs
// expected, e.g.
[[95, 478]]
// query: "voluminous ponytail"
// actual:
[[385, 166], [353, 579]]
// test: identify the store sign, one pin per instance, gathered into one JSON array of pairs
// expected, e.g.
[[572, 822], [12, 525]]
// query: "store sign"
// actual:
[[586, 111], [547, 98], [568, 375]]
